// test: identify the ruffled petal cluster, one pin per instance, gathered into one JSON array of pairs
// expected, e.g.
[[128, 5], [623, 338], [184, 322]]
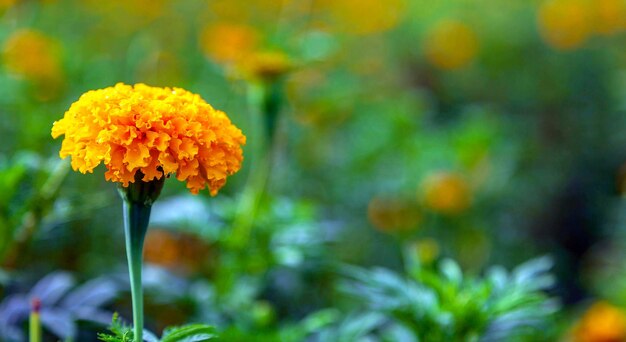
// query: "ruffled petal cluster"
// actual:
[[154, 131]]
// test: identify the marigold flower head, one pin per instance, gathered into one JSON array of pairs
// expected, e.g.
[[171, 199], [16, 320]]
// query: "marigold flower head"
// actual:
[[601, 322], [451, 44], [565, 24], [151, 132]]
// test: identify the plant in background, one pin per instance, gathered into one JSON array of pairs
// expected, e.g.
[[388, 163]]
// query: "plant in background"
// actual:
[[443, 305], [191, 332], [143, 135], [29, 187], [62, 305], [263, 71]]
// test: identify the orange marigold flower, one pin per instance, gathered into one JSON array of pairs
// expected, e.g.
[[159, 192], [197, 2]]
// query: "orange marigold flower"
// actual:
[[154, 131]]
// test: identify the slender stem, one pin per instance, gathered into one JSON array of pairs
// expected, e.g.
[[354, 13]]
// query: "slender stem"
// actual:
[[136, 217], [35, 322]]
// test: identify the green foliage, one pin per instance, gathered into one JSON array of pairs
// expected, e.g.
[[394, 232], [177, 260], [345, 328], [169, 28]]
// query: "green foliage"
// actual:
[[189, 333], [445, 305], [28, 188], [121, 332]]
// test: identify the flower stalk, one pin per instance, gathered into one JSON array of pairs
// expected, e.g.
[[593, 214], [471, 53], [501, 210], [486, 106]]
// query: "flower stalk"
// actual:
[[138, 199]]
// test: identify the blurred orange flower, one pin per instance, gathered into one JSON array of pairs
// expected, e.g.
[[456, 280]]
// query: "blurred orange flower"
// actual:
[[451, 44], [446, 192], [179, 252], [5, 4], [141, 130], [610, 16], [228, 42], [565, 24], [602, 322], [32, 54], [392, 215]]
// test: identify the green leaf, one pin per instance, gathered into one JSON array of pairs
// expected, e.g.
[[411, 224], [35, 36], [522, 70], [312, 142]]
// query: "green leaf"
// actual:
[[121, 332], [189, 333]]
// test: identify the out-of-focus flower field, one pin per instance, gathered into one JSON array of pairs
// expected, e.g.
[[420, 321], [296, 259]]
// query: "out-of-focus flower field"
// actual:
[[414, 170]]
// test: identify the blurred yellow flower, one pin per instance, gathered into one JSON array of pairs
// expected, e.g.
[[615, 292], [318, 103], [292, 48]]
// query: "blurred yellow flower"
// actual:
[[609, 16], [451, 44], [361, 17], [565, 24], [602, 322], [392, 215], [150, 132], [32, 54], [446, 192], [228, 42], [427, 250], [264, 65]]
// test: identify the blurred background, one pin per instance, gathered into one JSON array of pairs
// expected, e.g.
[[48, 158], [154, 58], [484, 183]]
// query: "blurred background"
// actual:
[[485, 132]]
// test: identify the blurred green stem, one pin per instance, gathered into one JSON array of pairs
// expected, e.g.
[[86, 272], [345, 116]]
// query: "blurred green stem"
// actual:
[[264, 100]]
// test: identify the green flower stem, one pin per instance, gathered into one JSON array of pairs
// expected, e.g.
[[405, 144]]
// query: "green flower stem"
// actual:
[[136, 218], [138, 198]]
